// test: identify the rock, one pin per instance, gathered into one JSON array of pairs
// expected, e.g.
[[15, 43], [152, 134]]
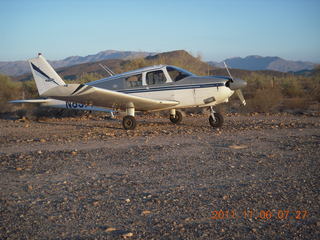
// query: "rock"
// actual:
[[238, 146], [74, 153], [146, 212], [127, 235], [110, 229]]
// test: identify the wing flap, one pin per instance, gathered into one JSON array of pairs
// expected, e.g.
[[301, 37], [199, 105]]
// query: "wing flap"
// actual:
[[106, 98]]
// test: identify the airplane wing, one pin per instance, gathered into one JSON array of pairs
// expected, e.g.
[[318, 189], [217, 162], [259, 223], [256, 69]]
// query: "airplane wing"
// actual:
[[105, 98]]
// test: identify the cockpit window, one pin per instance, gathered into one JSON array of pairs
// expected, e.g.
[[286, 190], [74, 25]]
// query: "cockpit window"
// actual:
[[155, 77], [177, 74], [134, 81]]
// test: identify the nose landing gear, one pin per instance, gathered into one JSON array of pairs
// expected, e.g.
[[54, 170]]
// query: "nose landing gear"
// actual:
[[215, 119]]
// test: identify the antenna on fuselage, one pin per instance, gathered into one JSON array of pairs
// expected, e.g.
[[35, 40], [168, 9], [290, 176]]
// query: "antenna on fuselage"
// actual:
[[108, 70]]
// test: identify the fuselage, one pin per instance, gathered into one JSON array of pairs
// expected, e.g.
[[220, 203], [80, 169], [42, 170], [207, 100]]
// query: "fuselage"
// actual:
[[170, 83]]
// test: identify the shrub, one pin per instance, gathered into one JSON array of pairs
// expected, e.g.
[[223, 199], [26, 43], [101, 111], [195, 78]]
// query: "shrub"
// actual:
[[9, 90], [292, 87], [29, 90], [265, 100], [295, 103]]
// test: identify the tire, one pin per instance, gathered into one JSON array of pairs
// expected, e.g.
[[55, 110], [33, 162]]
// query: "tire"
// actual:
[[129, 123], [218, 122], [177, 118]]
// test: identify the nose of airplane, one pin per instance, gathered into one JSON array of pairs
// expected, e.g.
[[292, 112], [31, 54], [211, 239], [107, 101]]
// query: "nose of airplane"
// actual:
[[237, 84]]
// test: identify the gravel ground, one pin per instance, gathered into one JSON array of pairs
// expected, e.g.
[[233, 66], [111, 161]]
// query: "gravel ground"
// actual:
[[87, 178]]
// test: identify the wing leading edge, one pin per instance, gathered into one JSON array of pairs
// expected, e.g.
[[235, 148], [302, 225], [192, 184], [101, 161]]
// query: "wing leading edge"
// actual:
[[105, 98]]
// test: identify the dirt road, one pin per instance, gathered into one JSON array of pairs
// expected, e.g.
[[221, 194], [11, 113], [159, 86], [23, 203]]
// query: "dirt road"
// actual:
[[258, 177]]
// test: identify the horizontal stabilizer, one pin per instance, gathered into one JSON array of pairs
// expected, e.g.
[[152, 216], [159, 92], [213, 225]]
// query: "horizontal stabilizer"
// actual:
[[31, 101]]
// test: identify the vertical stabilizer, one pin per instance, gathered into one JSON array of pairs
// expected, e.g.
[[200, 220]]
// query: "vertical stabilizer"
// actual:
[[44, 75]]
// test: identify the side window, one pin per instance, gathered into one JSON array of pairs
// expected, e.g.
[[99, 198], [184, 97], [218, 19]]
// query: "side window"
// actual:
[[156, 77], [134, 81]]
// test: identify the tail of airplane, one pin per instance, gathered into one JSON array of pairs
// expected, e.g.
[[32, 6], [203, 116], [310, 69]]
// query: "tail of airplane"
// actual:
[[44, 75]]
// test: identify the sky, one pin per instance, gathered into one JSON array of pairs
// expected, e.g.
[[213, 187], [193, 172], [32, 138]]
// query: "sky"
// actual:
[[213, 29]]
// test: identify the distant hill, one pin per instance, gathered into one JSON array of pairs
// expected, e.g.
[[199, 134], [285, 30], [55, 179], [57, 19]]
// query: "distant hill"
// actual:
[[17, 68], [255, 62]]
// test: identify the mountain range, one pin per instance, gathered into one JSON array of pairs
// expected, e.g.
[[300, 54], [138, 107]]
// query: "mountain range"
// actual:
[[254, 62], [16, 68]]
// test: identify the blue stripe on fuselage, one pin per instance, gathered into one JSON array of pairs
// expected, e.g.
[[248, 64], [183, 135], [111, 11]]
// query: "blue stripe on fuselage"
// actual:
[[168, 88]]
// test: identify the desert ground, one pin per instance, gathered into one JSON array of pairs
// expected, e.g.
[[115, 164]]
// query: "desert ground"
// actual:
[[87, 178]]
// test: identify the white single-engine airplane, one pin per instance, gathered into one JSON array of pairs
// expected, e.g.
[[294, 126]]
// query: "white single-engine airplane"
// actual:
[[153, 88]]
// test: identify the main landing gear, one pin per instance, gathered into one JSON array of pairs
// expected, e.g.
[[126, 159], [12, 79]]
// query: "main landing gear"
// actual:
[[175, 116], [129, 122], [215, 119]]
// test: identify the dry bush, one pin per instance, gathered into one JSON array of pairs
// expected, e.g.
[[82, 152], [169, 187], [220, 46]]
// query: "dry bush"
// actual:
[[295, 103], [292, 87], [315, 93], [265, 100], [29, 90], [9, 90], [86, 77]]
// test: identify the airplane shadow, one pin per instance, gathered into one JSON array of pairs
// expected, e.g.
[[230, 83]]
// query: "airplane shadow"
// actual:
[[84, 125]]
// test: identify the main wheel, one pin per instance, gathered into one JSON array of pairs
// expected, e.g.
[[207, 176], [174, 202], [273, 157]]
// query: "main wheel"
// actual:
[[129, 123], [217, 122], [177, 118]]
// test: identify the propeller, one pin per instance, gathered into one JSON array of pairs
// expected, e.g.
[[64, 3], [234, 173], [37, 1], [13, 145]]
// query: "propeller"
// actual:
[[236, 84]]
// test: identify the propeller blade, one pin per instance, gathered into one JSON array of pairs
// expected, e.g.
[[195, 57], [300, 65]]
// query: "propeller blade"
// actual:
[[240, 83], [225, 65], [240, 95]]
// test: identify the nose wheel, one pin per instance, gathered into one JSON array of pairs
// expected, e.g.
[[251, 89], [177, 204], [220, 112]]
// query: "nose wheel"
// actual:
[[215, 119]]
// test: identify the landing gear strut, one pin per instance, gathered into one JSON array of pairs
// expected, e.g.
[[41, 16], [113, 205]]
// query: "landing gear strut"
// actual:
[[215, 119], [129, 122], [175, 116]]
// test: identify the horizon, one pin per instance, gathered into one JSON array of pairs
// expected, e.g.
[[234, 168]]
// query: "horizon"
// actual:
[[216, 30]]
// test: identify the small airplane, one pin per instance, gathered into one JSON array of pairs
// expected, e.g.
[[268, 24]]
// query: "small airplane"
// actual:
[[148, 89]]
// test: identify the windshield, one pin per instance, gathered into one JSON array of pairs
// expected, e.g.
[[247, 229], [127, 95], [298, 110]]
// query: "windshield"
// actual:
[[177, 74]]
